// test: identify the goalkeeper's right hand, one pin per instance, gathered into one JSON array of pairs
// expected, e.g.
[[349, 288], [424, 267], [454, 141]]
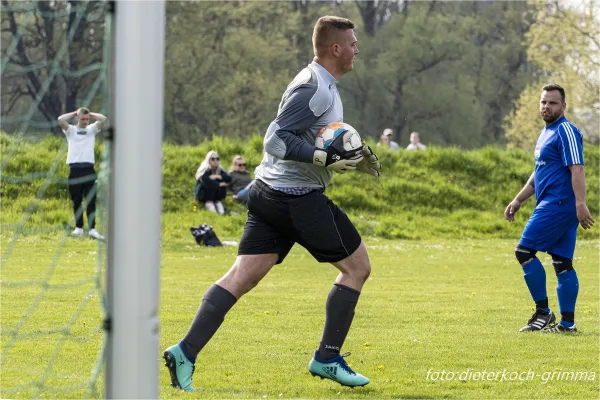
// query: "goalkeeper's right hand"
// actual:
[[336, 157]]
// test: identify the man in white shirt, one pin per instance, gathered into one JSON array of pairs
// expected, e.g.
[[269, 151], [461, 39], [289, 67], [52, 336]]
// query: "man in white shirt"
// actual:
[[386, 140], [415, 143], [80, 157]]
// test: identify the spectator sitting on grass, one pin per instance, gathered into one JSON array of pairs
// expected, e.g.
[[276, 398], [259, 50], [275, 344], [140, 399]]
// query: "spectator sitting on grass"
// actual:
[[211, 181], [241, 180]]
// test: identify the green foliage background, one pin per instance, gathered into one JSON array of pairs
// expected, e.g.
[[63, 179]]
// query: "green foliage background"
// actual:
[[462, 74], [440, 193]]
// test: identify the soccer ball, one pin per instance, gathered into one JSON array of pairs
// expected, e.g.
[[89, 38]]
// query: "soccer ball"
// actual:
[[326, 136]]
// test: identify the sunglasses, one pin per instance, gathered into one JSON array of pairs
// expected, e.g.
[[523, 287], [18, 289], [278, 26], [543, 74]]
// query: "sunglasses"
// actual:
[[242, 165], [215, 158]]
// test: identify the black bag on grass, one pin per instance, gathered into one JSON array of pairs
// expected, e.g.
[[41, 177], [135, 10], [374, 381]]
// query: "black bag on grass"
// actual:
[[205, 236]]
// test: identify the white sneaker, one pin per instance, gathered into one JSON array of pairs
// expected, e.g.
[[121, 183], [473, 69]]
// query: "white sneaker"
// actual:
[[220, 208], [210, 206], [77, 232], [94, 233]]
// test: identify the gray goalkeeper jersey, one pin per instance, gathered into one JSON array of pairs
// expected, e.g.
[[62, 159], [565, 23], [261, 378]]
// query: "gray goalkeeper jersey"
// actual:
[[310, 102]]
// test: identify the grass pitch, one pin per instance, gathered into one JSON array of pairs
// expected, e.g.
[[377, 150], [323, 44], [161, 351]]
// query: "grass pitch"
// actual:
[[437, 319]]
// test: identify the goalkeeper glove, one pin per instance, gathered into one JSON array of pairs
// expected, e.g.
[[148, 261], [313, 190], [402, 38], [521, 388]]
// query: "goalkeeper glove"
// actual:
[[370, 163], [336, 157]]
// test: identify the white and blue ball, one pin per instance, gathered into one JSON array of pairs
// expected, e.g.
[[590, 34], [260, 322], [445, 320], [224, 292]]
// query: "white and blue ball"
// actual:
[[326, 136]]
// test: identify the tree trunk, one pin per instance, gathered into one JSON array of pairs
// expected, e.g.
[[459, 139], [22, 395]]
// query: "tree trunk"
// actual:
[[303, 42], [399, 119], [75, 47]]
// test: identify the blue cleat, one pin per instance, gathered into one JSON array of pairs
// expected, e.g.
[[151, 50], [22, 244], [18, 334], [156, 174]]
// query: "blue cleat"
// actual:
[[180, 368], [337, 370]]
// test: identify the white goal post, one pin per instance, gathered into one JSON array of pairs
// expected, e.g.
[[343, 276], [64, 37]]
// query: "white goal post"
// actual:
[[134, 219]]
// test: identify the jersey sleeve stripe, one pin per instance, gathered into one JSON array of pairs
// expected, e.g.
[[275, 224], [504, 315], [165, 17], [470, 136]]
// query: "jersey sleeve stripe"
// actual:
[[564, 131], [572, 147], [574, 141]]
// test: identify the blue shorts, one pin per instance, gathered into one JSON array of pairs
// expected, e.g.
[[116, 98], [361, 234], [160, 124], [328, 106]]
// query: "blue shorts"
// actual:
[[551, 232]]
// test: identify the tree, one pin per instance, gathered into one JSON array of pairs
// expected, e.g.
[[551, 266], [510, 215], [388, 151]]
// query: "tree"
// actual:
[[498, 60], [564, 44], [413, 76], [375, 13], [227, 76], [52, 51], [448, 70]]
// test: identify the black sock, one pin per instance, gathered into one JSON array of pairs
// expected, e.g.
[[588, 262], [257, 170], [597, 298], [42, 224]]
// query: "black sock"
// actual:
[[339, 310], [568, 316], [542, 304], [209, 317]]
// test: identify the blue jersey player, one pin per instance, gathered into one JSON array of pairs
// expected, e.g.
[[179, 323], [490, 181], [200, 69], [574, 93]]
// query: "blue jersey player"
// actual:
[[558, 182], [287, 205]]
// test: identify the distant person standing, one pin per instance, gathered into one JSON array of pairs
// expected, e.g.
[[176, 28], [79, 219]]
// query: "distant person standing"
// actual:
[[415, 142], [558, 182], [386, 140], [80, 157]]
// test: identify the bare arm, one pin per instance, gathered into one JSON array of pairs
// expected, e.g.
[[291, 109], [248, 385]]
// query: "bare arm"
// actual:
[[578, 182], [62, 120], [98, 117], [525, 193]]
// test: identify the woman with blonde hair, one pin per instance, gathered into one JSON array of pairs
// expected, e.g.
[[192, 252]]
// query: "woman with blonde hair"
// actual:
[[211, 181], [241, 180]]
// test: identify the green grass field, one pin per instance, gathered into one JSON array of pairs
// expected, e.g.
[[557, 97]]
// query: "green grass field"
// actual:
[[429, 307]]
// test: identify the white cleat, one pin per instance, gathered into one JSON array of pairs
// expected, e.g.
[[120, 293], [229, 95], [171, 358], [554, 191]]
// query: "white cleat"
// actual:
[[94, 233], [77, 232]]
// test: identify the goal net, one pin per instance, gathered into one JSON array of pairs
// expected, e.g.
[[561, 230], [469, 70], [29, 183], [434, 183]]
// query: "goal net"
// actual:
[[55, 57]]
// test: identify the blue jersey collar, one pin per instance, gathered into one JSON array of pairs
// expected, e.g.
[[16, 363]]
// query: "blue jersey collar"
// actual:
[[557, 122]]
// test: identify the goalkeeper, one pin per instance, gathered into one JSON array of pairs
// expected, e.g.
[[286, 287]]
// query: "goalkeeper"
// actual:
[[286, 205]]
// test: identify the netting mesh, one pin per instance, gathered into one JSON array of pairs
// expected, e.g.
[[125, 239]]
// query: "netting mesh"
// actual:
[[54, 60]]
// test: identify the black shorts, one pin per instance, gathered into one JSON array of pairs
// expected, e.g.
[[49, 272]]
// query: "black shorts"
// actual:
[[277, 220]]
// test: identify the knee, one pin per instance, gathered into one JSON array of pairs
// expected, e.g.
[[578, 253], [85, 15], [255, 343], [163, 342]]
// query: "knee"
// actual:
[[361, 266], [561, 264], [524, 255], [361, 271], [366, 271], [246, 273]]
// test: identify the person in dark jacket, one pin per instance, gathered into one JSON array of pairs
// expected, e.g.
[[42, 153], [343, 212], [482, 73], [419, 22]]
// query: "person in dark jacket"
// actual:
[[241, 180], [211, 183]]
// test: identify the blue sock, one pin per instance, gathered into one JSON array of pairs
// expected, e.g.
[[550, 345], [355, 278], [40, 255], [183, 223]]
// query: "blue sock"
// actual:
[[535, 277], [567, 290]]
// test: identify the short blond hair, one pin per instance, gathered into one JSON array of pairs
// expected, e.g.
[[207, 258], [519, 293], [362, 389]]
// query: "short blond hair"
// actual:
[[237, 157], [82, 111], [326, 32]]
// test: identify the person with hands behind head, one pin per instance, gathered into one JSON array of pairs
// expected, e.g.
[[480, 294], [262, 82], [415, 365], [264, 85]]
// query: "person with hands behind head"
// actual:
[[287, 205], [81, 139], [558, 182], [211, 183]]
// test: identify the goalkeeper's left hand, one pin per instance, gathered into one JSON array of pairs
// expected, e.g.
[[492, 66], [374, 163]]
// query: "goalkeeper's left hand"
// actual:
[[370, 163]]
